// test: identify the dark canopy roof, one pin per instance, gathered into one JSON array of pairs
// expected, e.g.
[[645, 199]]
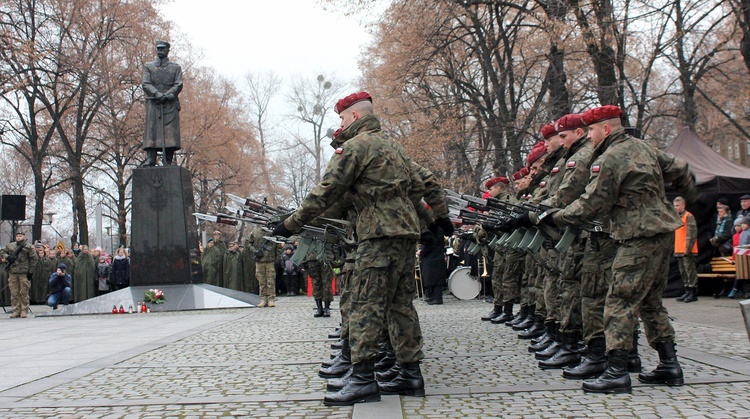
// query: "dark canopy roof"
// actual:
[[713, 173]]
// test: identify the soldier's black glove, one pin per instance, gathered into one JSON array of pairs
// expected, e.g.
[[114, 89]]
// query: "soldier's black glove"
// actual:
[[524, 220], [258, 255], [444, 223], [281, 230]]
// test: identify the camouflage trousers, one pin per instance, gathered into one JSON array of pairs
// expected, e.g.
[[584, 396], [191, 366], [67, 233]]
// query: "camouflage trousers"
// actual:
[[552, 289], [19, 292], [383, 284], [639, 276], [512, 272], [539, 307], [528, 295], [570, 289], [345, 293], [266, 274], [596, 277], [497, 275], [321, 275], [688, 272]]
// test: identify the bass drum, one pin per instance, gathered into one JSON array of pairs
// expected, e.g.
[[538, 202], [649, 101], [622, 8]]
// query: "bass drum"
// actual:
[[462, 285]]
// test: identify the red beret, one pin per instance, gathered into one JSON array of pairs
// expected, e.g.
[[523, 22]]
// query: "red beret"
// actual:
[[570, 121], [351, 100], [495, 180], [547, 131], [521, 173], [538, 151], [601, 113]]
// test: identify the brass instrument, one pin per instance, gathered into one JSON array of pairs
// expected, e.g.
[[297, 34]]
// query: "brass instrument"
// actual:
[[485, 274]]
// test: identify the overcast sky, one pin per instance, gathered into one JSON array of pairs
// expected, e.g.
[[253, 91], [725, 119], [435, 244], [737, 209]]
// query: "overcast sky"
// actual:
[[287, 37]]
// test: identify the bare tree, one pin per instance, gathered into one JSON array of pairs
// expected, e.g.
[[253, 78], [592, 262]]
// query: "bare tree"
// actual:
[[313, 101]]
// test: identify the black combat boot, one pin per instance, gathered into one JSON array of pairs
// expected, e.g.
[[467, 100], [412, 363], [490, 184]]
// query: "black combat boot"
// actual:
[[360, 388], [496, 311], [555, 342], [506, 316], [390, 375], [668, 371], [692, 295], [409, 382], [536, 330], [337, 384], [542, 342], [592, 365], [340, 365], [336, 334], [634, 360], [567, 356], [524, 324], [520, 316], [339, 344], [334, 358], [319, 309], [615, 378], [327, 309], [150, 158], [684, 295], [388, 360]]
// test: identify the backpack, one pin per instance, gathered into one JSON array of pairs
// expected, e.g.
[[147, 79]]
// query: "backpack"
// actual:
[[103, 277]]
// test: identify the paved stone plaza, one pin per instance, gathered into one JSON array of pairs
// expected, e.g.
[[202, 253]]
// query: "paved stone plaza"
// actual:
[[264, 362]]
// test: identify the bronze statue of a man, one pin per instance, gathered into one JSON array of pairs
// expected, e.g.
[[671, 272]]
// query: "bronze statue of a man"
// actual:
[[162, 82]]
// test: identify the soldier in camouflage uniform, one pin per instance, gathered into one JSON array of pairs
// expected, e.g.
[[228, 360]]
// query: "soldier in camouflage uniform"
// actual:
[[23, 260], [321, 275], [266, 254], [574, 168], [626, 184], [546, 177], [496, 186], [385, 190]]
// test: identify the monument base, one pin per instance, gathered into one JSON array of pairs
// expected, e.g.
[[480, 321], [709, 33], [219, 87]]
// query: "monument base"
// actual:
[[164, 245], [179, 297]]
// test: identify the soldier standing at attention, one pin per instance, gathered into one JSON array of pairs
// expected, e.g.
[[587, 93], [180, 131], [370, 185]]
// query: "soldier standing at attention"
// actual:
[[685, 251], [266, 254], [22, 259], [626, 184], [385, 190]]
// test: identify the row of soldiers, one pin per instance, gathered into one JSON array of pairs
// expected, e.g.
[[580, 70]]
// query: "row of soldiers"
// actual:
[[371, 182], [589, 171], [252, 268]]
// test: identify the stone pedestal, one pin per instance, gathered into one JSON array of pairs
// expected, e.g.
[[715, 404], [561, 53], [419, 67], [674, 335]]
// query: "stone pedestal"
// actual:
[[164, 239]]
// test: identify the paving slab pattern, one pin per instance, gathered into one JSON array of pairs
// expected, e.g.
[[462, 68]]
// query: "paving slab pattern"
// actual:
[[264, 362]]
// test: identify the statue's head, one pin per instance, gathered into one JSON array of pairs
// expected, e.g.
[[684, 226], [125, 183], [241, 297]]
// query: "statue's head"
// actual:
[[162, 49]]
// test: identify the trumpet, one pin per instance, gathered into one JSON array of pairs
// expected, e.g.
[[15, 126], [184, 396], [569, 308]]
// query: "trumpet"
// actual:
[[485, 274]]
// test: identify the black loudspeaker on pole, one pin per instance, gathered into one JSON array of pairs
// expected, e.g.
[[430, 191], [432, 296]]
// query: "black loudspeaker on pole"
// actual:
[[13, 207]]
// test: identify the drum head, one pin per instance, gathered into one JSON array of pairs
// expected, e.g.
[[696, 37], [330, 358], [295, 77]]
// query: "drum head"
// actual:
[[462, 285]]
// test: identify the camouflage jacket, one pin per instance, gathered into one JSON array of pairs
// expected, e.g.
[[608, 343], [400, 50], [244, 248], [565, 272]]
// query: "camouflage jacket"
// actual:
[[26, 260], [627, 184], [575, 174], [375, 170], [271, 251], [544, 182]]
